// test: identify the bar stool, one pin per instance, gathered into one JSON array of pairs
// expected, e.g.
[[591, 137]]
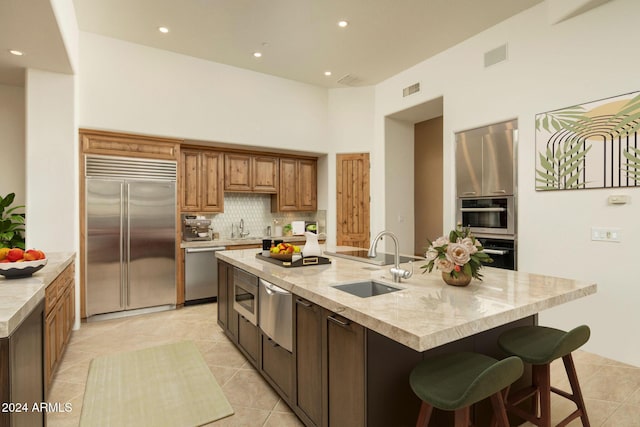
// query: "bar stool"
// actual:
[[539, 346], [454, 382]]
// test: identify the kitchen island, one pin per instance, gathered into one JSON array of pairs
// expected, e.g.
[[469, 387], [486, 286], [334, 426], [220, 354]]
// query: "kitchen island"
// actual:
[[26, 345], [386, 335]]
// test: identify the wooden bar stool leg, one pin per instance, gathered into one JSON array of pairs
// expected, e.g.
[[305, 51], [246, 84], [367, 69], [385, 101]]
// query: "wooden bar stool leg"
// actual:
[[499, 412], [425, 415], [542, 377], [462, 417], [570, 367]]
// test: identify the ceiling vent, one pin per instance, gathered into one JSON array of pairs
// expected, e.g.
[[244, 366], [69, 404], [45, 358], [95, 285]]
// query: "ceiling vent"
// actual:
[[409, 90], [496, 55], [349, 80]]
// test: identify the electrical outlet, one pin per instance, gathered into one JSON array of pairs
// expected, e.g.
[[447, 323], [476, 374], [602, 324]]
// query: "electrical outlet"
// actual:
[[605, 234]]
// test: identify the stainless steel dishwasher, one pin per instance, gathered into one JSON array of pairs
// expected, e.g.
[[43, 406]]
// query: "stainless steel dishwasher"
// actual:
[[201, 274], [275, 314]]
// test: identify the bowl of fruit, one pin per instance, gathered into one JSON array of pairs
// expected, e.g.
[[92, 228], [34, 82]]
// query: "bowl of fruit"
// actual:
[[16, 263], [284, 251]]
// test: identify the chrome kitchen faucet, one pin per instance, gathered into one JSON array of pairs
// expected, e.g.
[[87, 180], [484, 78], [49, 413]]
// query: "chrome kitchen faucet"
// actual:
[[397, 273]]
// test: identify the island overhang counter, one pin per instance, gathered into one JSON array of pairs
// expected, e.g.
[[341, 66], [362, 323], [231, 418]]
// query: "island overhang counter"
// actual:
[[426, 312]]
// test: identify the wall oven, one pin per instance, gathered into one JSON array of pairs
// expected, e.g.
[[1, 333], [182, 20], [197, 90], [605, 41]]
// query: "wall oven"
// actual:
[[502, 251], [487, 215], [245, 295]]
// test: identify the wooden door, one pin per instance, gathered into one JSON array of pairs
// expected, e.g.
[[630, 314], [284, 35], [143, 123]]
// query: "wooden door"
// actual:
[[353, 200]]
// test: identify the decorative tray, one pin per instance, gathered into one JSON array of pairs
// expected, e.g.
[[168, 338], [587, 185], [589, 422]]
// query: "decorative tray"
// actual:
[[300, 262]]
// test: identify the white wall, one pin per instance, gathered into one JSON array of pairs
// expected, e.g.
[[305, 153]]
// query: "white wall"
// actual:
[[584, 58], [399, 183], [350, 130], [12, 142], [133, 88], [51, 162]]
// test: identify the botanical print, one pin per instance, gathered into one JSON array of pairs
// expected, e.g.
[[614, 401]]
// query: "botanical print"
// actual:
[[593, 145]]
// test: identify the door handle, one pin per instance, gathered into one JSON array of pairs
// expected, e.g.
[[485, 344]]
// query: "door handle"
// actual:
[[495, 251], [303, 303]]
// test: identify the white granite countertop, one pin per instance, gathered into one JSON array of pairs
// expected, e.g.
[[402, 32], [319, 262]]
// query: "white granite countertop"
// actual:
[[19, 296], [239, 242], [426, 313]]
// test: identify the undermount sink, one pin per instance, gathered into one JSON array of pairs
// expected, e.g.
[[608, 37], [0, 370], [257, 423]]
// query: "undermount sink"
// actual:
[[367, 288]]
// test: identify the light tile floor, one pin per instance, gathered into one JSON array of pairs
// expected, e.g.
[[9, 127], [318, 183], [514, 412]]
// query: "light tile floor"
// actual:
[[611, 389]]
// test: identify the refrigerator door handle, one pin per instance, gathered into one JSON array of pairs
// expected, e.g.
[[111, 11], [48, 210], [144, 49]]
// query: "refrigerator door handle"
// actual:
[[126, 237], [122, 246]]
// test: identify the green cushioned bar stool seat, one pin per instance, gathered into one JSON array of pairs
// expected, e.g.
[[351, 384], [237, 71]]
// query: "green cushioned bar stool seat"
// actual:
[[454, 382], [539, 346]]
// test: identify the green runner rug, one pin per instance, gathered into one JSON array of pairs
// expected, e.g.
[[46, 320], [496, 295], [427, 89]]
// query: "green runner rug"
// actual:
[[169, 385]]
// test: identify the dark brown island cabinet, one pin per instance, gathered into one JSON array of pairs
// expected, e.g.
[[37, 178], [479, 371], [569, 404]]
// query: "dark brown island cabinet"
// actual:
[[339, 372], [22, 373]]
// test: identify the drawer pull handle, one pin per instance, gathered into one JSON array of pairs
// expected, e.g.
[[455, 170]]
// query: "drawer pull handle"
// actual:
[[339, 322], [303, 303]]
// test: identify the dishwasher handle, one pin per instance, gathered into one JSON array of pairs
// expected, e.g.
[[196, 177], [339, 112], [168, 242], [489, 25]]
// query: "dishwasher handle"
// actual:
[[273, 289], [210, 249]]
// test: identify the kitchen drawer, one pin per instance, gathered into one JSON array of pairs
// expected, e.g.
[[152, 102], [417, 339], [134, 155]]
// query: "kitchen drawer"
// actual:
[[248, 339], [51, 295], [277, 365]]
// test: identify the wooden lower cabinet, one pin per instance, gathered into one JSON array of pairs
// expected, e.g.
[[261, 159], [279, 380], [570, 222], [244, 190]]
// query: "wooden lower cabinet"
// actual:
[[307, 399], [60, 316], [248, 339], [21, 372], [227, 316], [276, 363], [345, 376]]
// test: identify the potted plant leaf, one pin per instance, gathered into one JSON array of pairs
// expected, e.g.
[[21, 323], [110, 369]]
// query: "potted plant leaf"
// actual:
[[11, 223]]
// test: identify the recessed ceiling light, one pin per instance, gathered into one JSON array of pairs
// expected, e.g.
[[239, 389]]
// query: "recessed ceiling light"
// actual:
[[257, 54], [343, 24], [16, 52], [163, 30], [327, 73]]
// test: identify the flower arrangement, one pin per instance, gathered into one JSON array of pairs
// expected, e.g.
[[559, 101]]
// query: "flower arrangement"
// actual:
[[458, 254]]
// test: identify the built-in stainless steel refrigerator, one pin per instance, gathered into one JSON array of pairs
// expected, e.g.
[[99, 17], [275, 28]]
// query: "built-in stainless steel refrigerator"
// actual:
[[130, 235]]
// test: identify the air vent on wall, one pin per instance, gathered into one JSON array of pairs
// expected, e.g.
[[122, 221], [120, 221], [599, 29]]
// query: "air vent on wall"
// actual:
[[496, 55], [411, 89]]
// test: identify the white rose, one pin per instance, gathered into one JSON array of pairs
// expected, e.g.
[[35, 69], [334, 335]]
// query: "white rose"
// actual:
[[468, 243], [445, 265], [431, 254], [458, 253], [441, 241]]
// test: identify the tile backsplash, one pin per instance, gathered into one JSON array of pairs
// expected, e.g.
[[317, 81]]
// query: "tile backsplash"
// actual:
[[255, 210]]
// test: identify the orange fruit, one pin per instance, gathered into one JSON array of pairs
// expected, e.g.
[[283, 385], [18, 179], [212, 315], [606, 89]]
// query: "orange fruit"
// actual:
[[3, 253]]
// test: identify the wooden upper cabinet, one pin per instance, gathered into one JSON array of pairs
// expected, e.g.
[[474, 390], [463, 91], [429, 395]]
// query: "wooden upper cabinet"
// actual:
[[307, 183], [121, 144], [297, 187], [201, 181], [250, 173], [237, 172], [265, 174], [212, 179]]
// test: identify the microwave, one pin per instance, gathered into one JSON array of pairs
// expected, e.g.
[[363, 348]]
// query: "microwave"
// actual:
[[487, 215]]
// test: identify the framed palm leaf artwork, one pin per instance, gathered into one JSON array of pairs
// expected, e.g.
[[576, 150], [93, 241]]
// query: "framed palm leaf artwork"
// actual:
[[592, 145]]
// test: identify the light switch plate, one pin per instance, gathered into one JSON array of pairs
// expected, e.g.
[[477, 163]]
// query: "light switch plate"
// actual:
[[605, 234]]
